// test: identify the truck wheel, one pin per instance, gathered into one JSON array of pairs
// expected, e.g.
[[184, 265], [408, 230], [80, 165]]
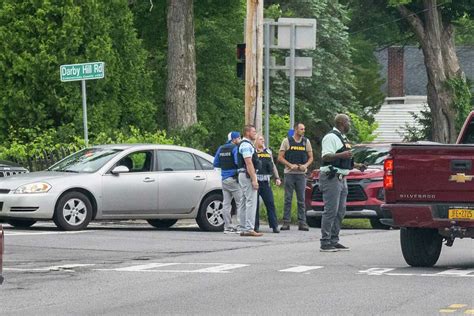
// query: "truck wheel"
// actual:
[[73, 211], [162, 223], [421, 247], [313, 221], [209, 217], [21, 223], [376, 224]]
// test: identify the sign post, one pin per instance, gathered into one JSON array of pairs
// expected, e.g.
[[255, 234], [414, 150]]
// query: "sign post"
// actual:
[[83, 72]]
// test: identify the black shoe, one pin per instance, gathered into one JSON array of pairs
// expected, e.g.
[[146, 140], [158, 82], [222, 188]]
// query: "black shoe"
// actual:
[[276, 230], [328, 248], [303, 226], [340, 247], [285, 227]]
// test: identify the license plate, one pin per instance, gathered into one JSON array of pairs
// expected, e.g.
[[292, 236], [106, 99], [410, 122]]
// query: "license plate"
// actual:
[[457, 213]]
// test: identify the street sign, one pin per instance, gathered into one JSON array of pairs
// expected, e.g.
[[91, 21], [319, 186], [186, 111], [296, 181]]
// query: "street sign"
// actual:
[[86, 71], [303, 66], [305, 33]]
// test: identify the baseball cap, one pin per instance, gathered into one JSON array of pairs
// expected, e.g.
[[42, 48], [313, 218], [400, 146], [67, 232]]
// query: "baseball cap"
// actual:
[[233, 135]]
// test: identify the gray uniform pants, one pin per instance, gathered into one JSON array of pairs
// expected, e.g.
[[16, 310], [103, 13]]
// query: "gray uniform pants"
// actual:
[[249, 203], [294, 182], [230, 190], [334, 198]]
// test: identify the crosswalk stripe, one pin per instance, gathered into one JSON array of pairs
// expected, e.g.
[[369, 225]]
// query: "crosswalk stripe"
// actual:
[[301, 269]]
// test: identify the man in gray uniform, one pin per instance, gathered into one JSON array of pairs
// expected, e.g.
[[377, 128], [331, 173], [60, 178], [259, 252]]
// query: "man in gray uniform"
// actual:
[[337, 162]]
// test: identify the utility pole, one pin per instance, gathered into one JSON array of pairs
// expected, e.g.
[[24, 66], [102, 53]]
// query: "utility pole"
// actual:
[[254, 64]]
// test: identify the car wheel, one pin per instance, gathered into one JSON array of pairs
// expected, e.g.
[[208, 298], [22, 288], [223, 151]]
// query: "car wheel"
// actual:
[[21, 223], [313, 221], [162, 223], [421, 247], [210, 216], [73, 211], [376, 224]]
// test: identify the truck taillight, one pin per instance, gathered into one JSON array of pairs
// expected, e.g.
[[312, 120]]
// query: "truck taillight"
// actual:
[[388, 174]]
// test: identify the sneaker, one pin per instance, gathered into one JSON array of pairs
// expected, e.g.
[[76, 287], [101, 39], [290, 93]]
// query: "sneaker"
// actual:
[[285, 227], [303, 226], [340, 247], [327, 248], [276, 230], [250, 233], [231, 230]]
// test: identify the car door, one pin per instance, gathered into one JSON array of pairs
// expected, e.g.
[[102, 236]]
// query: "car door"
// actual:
[[181, 182], [132, 193]]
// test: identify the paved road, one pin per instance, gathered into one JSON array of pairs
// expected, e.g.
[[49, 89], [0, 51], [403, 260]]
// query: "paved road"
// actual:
[[131, 268]]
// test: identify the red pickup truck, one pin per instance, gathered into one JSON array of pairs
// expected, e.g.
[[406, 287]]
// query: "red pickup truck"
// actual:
[[429, 194]]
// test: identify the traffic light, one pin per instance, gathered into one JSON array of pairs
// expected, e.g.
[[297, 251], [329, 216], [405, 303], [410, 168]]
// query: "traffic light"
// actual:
[[241, 61]]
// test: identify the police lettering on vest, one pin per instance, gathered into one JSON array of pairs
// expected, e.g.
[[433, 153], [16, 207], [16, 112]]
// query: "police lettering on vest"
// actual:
[[226, 158], [266, 163], [241, 160], [347, 163], [297, 153]]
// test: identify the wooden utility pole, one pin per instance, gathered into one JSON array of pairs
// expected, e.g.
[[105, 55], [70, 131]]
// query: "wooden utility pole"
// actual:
[[254, 64]]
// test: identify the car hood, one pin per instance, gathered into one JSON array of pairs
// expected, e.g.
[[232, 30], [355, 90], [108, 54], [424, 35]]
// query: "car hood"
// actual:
[[355, 174], [15, 181]]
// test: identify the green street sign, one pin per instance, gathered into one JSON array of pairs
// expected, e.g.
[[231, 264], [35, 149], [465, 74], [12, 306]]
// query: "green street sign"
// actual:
[[87, 71]]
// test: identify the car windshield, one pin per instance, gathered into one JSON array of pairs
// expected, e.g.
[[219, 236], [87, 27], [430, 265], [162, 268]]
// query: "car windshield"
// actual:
[[87, 160], [370, 155]]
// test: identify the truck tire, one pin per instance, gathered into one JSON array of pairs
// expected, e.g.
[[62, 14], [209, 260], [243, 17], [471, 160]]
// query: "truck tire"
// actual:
[[421, 247], [314, 222], [376, 224]]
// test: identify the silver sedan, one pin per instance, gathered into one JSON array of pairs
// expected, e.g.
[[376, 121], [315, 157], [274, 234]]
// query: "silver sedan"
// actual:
[[159, 183]]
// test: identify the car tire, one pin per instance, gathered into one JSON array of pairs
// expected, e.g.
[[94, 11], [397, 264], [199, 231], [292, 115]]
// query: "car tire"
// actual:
[[421, 247], [376, 224], [162, 223], [73, 211], [210, 217], [21, 223], [313, 221]]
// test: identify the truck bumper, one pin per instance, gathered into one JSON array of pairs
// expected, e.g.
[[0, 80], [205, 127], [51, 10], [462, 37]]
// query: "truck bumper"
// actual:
[[422, 216]]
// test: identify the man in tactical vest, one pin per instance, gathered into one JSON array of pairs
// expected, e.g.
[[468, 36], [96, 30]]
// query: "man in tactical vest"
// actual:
[[225, 159], [296, 154], [336, 164], [248, 165]]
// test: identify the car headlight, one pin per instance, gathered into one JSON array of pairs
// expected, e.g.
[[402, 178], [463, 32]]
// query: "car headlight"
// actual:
[[37, 187]]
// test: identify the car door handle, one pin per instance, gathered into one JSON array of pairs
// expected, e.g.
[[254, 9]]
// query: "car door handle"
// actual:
[[148, 180], [199, 178]]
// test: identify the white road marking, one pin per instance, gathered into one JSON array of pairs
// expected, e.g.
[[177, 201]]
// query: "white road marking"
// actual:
[[11, 233], [301, 269], [375, 271], [454, 272], [64, 267], [151, 267]]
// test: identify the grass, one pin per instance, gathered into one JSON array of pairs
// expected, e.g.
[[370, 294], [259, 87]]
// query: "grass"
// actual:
[[279, 192]]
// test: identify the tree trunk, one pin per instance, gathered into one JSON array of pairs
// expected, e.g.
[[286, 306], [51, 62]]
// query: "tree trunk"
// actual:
[[441, 62], [181, 85]]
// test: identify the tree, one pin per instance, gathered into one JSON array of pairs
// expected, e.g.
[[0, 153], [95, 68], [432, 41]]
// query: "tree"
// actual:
[[36, 37], [181, 86], [431, 24]]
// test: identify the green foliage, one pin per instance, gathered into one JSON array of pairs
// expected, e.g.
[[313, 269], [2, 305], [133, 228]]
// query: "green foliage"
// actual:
[[465, 30], [462, 99], [36, 37], [279, 126], [365, 130], [421, 130]]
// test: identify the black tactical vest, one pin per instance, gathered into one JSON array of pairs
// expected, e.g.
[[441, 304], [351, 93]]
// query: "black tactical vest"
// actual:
[[297, 153], [266, 161], [341, 163], [241, 161], [226, 158]]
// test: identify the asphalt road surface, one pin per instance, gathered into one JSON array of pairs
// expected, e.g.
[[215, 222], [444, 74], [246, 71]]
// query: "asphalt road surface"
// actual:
[[130, 268]]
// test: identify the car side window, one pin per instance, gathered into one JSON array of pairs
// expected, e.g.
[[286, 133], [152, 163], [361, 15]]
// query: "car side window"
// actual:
[[140, 161], [469, 136], [174, 160], [206, 165]]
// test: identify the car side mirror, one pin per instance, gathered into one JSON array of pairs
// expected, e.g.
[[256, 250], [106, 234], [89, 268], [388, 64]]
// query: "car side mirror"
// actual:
[[120, 169]]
